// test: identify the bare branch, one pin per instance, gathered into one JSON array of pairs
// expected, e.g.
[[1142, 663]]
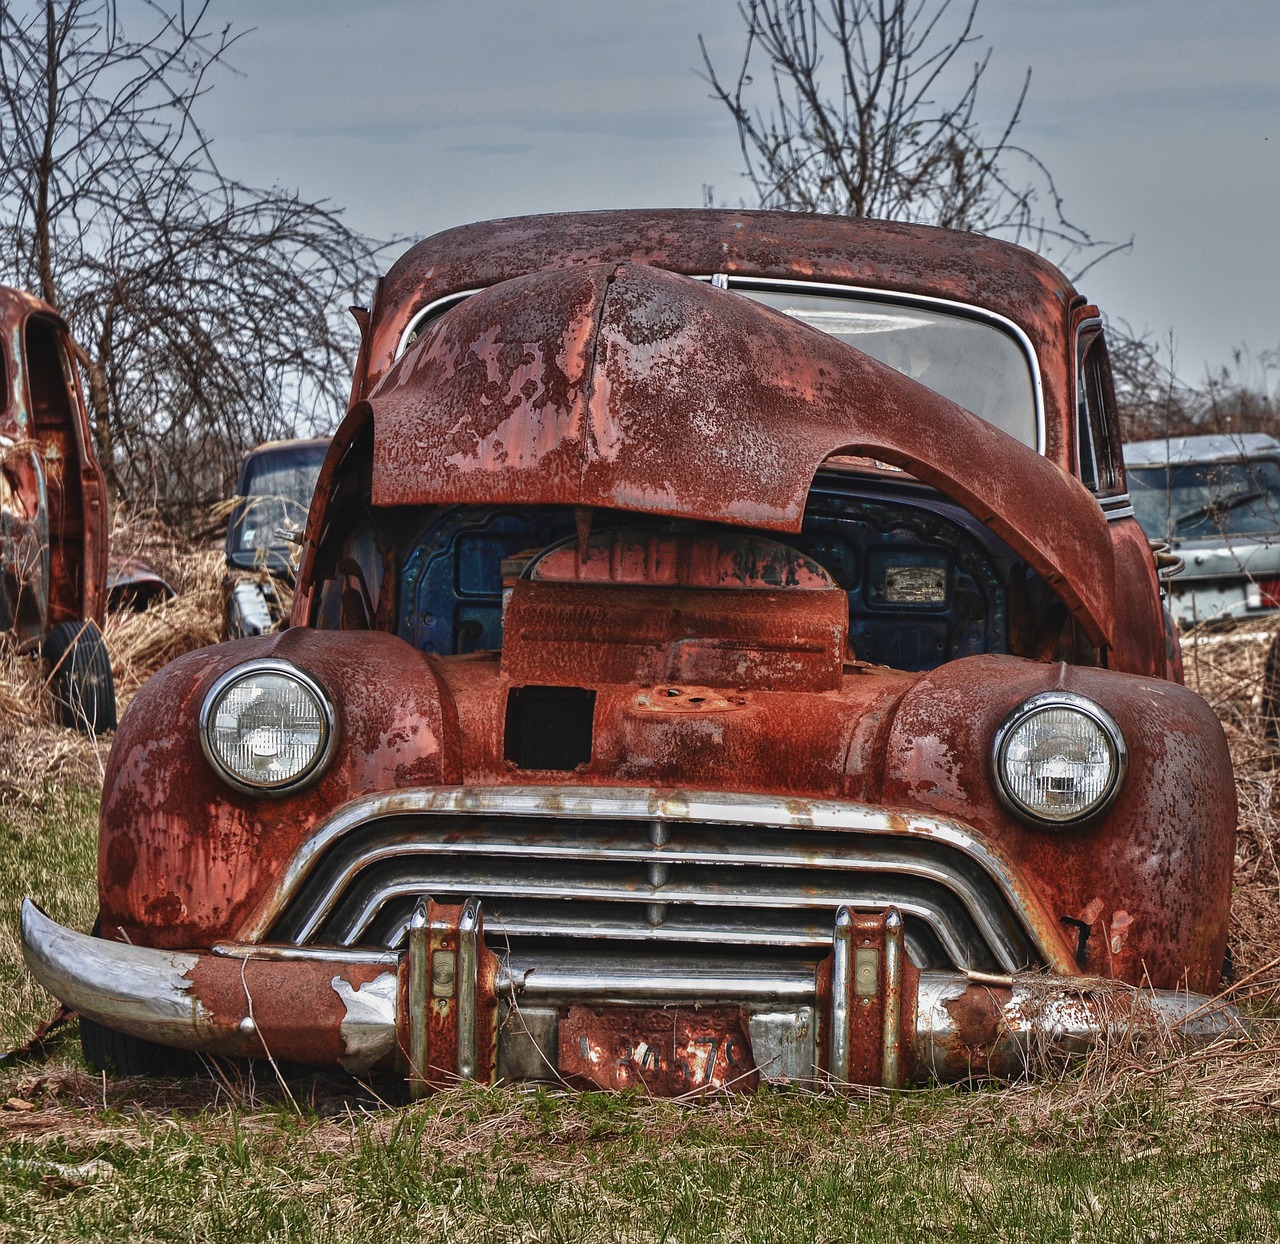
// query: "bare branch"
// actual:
[[860, 123], [209, 313]]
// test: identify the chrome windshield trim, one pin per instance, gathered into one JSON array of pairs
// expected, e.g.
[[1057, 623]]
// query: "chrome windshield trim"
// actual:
[[964, 309], [420, 317], [647, 803]]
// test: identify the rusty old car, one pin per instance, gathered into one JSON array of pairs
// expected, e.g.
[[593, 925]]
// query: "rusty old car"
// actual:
[[268, 512], [723, 651], [53, 513]]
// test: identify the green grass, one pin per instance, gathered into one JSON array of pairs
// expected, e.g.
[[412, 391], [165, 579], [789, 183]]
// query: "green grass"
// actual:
[[1091, 1157]]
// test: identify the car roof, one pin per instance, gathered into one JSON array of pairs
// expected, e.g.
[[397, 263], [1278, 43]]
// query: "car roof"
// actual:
[[1182, 450]]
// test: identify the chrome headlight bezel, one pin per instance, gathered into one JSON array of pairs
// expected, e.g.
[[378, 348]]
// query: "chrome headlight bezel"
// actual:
[[328, 718], [1032, 707]]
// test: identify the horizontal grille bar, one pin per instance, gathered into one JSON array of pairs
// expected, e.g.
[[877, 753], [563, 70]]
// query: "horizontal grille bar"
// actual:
[[669, 882]]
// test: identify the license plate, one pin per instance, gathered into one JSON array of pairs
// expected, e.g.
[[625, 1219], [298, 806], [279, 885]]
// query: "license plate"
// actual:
[[666, 1052]]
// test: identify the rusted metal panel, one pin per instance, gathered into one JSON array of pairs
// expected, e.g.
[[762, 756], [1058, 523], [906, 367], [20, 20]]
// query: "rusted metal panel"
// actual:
[[48, 462], [183, 859], [1162, 853], [748, 640], [665, 1051], [884, 255], [295, 1011], [592, 386]]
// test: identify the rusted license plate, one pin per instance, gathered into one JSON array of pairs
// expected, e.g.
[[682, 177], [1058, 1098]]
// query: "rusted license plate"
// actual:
[[666, 1052]]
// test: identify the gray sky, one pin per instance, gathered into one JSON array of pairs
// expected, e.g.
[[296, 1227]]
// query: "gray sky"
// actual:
[[1159, 119]]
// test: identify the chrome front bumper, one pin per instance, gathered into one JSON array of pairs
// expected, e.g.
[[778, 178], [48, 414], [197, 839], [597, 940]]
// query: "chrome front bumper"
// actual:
[[448, 1009]]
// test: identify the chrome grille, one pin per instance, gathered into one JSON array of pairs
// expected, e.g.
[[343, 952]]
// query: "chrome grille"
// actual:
[[579, 882]]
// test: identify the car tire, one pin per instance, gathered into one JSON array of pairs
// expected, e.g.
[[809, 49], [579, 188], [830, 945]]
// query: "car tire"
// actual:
[[120, 1054], [81, 680]]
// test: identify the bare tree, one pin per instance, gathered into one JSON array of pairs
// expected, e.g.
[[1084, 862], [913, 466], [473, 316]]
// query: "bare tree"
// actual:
[[852, 123], [210, 315], [1154, 403]]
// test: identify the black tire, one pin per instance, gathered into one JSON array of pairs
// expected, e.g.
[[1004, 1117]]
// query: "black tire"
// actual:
[[80, 679], [117, 1053]]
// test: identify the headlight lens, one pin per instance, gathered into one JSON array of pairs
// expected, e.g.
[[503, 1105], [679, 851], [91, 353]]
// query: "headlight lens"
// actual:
[[1059, 759], [266, 727]]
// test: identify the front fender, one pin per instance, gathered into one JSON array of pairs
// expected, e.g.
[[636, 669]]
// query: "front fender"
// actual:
[[184, 859], [1142, 893]]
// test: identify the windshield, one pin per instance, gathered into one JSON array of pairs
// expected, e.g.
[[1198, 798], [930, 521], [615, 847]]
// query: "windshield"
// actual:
[[1207, 499], [276, 486], [975, 364]]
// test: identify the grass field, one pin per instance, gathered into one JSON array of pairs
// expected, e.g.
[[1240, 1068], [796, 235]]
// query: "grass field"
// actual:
[[1126, 1147]]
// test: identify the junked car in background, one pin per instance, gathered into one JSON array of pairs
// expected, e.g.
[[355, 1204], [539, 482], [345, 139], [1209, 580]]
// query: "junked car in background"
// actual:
[[722, 651], [1216, 501], [272, 496], [53, 513]]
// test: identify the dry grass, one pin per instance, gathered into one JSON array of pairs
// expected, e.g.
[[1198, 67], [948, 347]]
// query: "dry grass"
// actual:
[[1226, 668], [36, 750]]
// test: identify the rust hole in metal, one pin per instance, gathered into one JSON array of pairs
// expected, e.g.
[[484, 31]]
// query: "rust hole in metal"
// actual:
[[549, 727]]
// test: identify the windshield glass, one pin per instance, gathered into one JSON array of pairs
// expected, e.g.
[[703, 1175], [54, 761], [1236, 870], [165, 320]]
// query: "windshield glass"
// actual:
[[276, 487], [975, 364], [1207, 499]]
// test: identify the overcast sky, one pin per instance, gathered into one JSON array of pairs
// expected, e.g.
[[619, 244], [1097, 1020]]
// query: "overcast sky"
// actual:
[[1160, 120]]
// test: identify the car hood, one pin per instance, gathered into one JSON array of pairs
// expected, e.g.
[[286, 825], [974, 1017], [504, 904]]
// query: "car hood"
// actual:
[[627, 387]]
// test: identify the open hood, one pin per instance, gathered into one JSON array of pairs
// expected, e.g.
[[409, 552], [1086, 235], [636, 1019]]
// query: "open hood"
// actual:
[[627, 387]]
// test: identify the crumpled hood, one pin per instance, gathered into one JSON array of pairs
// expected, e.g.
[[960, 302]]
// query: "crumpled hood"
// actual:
[[627, 387]]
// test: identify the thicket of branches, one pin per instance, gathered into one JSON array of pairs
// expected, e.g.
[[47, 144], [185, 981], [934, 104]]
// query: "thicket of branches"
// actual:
[[209, 314], [864, 108], [1154, 402]]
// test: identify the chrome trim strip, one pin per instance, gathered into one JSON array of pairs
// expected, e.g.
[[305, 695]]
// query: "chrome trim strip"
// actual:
[[658, 980], [278, 952], [418, 999], [890, 1065], [408, 846], [1116, 507], [468, 977], [669, 933], [643, 804], [841, 974], [437, 307]]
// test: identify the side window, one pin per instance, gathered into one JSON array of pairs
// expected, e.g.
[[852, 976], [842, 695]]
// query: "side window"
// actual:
[[1096, 448]]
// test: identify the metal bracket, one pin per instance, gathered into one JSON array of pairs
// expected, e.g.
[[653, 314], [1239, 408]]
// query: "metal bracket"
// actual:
[[449, 997], [873, 988]]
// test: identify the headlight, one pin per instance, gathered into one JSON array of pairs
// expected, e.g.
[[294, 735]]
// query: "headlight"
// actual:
[[1059, 759], [267, 728]]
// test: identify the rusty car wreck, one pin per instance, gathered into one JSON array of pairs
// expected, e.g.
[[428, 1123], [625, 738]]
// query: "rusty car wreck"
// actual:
[[723, 651], [53, 513]]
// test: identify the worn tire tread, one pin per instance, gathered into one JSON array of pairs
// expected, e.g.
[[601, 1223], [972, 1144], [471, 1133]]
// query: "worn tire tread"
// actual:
[[81, 680]]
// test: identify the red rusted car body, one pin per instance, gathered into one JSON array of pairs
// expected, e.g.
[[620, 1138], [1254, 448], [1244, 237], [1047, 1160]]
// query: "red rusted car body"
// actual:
[[53, 510], [723, 650]]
